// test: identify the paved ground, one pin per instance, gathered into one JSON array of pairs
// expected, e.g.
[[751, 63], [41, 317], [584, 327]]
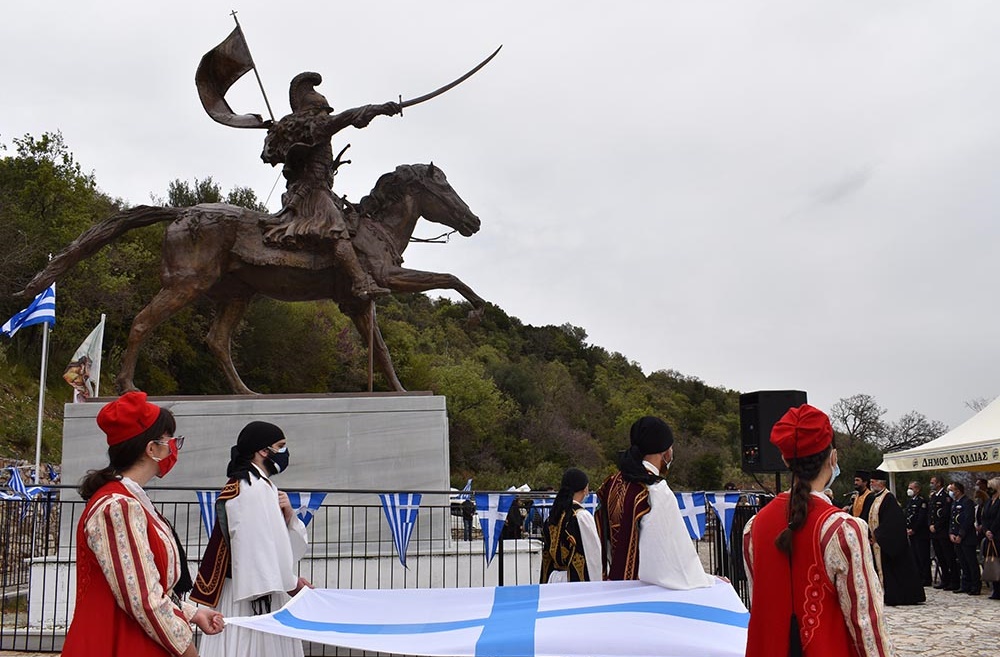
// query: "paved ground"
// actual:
[[948, 624]]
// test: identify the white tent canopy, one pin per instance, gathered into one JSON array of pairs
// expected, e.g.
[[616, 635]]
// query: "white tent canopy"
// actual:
[[972, 445]]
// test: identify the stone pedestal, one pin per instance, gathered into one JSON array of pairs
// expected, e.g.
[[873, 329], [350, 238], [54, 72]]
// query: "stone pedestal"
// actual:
[[358, 445]]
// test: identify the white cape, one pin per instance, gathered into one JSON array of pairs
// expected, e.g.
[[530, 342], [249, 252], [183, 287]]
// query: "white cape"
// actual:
[[584, 619]]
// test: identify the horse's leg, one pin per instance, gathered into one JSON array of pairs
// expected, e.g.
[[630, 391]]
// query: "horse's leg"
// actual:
[[361, 320], [166, 302], [400, 279], [219, 340]]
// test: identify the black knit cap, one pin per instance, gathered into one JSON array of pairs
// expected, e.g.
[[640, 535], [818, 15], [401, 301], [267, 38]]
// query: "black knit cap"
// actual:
[[651, 435], [574, 480]]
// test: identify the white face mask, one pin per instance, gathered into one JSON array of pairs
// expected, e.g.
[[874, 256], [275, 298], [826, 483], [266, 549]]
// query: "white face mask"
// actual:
[[910, 492]]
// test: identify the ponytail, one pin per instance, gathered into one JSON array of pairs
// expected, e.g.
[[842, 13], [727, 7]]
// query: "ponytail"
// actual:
[[804, 472]]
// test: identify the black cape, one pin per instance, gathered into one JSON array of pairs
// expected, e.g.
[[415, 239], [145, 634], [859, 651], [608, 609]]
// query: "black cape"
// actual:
[[900, 579]]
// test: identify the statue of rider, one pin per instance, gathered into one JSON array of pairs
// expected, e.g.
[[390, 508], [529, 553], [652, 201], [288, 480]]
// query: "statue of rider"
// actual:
[[312, 215]]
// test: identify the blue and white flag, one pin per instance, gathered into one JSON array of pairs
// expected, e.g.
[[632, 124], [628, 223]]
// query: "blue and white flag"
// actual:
[[42, 309], [206, 502], [693, 511], [590, 503], [752, 499], [466, 492], [724, 504], [571, 619], [306, 505], [401, 511], [543, 507], [492, 509], [25, 492]]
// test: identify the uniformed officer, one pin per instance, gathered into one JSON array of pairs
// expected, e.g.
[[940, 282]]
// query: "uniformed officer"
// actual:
[[963, 535], [918, 531], [939, 519]]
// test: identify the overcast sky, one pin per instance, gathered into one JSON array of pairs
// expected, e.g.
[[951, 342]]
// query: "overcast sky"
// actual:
[[765, 195]]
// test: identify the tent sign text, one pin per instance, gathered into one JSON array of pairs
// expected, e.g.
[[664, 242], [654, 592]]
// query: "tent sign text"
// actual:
[[962, 458]]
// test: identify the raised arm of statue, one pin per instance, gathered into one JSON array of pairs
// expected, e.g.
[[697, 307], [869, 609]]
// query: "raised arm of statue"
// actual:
[[359, 117]]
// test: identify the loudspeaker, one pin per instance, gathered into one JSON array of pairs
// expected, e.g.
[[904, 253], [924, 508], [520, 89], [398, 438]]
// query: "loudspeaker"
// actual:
[[759, 411]]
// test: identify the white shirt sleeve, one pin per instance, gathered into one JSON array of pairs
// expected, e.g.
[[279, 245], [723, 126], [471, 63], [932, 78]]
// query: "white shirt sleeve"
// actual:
[[263, 558], [667, 556], [591, 544]]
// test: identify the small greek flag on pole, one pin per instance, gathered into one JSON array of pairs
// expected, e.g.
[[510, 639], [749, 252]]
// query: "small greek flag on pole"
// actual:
[[306, 505], [41, 310], [401, 511], [206, 502], [492, 509]]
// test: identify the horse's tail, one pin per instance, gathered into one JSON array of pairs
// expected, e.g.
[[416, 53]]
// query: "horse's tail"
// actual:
[[95, 237]]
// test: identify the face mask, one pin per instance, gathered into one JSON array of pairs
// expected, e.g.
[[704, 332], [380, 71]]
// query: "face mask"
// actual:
[[167, 463], [279, 460], [833, 475], [951, 494], [910, 492]]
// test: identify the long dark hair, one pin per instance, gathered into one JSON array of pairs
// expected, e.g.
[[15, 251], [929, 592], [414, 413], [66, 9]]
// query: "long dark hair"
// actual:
[[804, 472], [125, 454]]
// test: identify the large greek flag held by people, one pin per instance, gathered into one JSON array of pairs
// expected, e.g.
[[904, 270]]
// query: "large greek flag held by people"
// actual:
[[578, 619], [725, 508], [42, 309], [401, 511], [206, 503], [492, 509], [693, 511], [306, 505]]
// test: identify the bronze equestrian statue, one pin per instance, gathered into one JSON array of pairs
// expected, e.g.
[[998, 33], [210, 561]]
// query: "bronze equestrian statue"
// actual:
[[217, 250]]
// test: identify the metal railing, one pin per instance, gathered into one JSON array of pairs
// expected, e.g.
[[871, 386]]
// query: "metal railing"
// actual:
[[351, 546]]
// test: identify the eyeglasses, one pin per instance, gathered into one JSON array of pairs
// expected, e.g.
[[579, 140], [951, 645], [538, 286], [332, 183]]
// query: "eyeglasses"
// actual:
[[166, 443]]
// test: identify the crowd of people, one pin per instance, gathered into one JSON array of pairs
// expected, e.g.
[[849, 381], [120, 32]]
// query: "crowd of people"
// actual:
[[820, 576]]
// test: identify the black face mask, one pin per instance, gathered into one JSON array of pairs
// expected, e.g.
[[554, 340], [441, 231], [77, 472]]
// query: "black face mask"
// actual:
[[278, 461]]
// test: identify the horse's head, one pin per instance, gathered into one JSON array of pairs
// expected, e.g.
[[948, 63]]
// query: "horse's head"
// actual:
[[438, 201]]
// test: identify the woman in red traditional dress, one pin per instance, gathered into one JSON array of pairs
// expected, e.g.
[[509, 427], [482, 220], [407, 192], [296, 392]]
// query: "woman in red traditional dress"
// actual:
[[816, 592], [128, 558]]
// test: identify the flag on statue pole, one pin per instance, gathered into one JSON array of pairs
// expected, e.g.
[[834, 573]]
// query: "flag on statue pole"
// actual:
[[724, 504], [492, 509], [306, 505], [84, 370], [692, 507], [570, 619], [401, 511], [41, 310]]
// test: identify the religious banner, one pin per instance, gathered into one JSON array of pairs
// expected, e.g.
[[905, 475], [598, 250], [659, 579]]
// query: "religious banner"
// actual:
[[306, 505], [724, 504], [206, 503], [492, 509], [692, 507], [401, 511], [578, 619]]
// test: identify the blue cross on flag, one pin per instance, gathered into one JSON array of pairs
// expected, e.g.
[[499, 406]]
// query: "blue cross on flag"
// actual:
[[306, 505], [724, 504], [492, 509], [206, 502], [401, 511], [42, 309], [692, 507]]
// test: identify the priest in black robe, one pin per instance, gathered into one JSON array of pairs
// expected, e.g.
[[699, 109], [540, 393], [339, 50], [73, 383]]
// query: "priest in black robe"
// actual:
[[894, 559]]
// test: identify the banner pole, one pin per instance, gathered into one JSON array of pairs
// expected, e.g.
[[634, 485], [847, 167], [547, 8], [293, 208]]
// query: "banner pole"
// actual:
[[41, 400]]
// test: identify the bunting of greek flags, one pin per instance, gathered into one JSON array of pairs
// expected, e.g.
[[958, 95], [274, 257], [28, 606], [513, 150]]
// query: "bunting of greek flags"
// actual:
[[41, 309], [25, 492], [692, 506], [578, 619], [306, 505], [206, 503], [492, 509], [724, 504], [401, 511]]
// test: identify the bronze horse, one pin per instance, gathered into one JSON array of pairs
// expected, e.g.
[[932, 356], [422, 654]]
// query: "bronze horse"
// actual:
[[216, 250]]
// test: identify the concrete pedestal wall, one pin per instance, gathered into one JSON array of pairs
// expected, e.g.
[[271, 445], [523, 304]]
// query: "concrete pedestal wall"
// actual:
[[371, 442]]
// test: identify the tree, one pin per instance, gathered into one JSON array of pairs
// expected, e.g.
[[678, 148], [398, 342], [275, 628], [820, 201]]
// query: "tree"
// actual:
[[860, 417], [979, 403], [911, 430]]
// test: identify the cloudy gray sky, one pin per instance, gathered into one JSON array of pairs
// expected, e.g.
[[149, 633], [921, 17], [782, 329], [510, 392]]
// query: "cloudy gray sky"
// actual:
[[764, 195]]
